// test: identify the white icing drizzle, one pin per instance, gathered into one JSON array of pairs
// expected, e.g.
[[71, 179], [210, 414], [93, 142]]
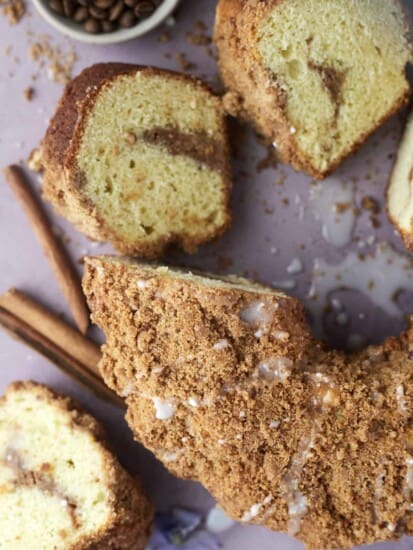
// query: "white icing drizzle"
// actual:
[[141, 284], [295, 266], [165, 409], [258, 312], [261, 314], [171, 456], [409, 481], [127, 391], [401, 400], [296, 501], [326, 394], [378, 491], [217, 521], [276, 368], [284, 285], [221, 344], [326, 197], [275, 424], [378, 275], [281, 335], [255, 510], [193, 402]]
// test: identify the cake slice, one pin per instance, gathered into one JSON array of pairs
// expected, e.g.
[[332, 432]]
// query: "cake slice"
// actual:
[[316, 77], [60, 486], [400, 190], [224, 383], [139, 157]]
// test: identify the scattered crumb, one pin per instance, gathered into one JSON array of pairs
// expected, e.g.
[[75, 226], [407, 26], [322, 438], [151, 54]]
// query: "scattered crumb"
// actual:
[[341, 207], [371, 204], [184, 63], [34, 162], [198, 39], [200, 26], [14, 10], [164, 37], [232, 103], [59, 64], [281, 179], [28, 93]]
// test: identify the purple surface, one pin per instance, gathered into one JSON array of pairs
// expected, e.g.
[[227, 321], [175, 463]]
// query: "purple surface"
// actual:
[[267, 215]]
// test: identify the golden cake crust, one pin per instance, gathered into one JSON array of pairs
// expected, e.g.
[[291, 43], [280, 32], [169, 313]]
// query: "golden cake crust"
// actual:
[[321, 450], [62, 182], [248, 95], [130, 523]]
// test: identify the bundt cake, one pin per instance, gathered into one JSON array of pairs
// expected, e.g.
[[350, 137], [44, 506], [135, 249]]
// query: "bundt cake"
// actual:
[[316, 77], [139, 157], [60, 486], [400, 190], [225, 384]]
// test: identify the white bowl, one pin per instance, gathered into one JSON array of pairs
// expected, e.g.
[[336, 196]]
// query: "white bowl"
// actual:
[[74, 30]]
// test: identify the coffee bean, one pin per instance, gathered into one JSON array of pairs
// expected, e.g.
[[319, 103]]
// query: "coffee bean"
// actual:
[[98, 14], [104, 15], [116, 10], [81, 14], [57, 6], [92, 26], [144, 9], [103, 4], [69, 7], [127, 19], [108, 26]]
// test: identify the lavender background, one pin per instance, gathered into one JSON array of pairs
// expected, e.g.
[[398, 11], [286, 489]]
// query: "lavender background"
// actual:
[[273, 224]]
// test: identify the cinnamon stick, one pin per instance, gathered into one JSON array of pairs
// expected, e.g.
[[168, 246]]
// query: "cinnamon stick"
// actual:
[[60, 262], [51, 326], [55, 351]]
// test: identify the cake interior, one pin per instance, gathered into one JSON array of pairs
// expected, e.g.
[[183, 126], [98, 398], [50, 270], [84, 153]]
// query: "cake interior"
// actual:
[[400, 192], [152, 158], [52, 476], [341, 66]]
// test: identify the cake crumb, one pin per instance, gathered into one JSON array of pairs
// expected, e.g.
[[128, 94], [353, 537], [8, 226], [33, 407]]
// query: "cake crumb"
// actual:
[[371, 204], [164, 38], [34, 162], [14, 10], [59, 64], [198, 39], [28, 93], [184, 63]]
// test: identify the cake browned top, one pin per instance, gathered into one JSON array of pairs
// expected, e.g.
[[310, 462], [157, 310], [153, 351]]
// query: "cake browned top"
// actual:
[[224, 383]]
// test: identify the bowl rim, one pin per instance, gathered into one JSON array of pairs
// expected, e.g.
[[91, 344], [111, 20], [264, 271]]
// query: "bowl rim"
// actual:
[[69, 28]]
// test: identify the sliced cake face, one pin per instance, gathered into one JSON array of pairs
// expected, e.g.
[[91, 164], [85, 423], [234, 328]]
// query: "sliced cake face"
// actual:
[[333, 70], [224, 383], [60, 486], [148, 162], [400, 190]]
